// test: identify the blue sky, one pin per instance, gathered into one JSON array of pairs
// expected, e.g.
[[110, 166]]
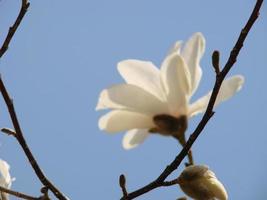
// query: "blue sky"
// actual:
[[66, 52]]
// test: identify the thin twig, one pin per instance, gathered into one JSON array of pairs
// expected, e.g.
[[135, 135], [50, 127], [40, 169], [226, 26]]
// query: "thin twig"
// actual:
[[123, 185], [209, 112], [216, 61], [190, 153], [8, 131], [170, 183], [24, 7], [18, 194], [18, 133], [20, 138]]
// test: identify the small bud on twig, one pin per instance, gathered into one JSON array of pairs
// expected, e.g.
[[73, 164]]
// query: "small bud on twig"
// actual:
[[216, 61], [123, 185], [45, 196], [122, 180], [8, 131]]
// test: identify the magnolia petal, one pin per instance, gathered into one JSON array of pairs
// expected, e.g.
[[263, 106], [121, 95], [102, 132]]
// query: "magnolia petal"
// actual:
[[192, 53], [121, 120], [130, 97], [199, 106], [215, 186], [229, 87], [4, 170], [134, 137], [176, 81], [142, 74], [176, 48]]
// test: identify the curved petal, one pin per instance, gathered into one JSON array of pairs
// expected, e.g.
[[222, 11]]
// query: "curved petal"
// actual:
[[142, 74], [134, 137], [229, 87], [192, 53], [176, 48], [176, 81], [121, 120], [199, 106], [215, 186], [130, 97], [4, 170]]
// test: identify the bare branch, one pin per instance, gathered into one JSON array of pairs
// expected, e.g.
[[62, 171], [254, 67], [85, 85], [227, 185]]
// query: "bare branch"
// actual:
[[8, 131], [20, 138], [123, 185], [209, 112], [170, 183], [18, 133], [216, 61], [18, 194], [24, 7]]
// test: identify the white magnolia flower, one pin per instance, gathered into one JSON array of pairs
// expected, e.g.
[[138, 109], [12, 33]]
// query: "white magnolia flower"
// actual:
[[158, 100], [200, 183], [5, 179]]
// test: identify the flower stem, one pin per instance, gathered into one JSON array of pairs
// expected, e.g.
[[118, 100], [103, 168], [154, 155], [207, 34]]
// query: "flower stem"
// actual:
[[182, 140]]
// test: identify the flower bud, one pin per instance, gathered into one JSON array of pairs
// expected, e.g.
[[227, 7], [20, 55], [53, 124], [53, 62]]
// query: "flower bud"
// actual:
[[200, 183]]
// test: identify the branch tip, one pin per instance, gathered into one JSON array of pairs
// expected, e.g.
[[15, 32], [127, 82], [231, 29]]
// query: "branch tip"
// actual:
[[216, 61], [8, 131], [122, 180], [123, 185]]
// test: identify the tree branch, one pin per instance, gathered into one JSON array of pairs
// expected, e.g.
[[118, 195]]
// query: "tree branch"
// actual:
[[18, 194], [24, 7], [122, 182], [20, 138], [18, 133], [209, 112]]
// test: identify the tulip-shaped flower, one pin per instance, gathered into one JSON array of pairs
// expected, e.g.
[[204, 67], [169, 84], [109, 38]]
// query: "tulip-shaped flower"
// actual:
[[200, 183], [158, 100], [5, 179]]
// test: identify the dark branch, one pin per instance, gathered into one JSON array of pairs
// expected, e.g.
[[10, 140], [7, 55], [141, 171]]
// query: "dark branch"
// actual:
[[18, 133], [216, 62], [170, 183], [123, 185], [8, 131], [209, 112], [20, 138], [24, 7], [18, 194]]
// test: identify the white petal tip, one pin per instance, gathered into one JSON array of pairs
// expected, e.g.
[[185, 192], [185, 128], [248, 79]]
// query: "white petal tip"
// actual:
[[126, 142], [134, 138], [102, 100], [128, 147], [198, 34], [102, 123], [124, 64], [240, 81], [120, 64], [98, 107], [176, 47]]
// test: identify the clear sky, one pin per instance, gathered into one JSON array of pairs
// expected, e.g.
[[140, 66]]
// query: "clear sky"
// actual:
[[65, 53]]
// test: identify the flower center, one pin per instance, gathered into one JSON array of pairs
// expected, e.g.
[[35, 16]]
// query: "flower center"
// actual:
[[169, 125]]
